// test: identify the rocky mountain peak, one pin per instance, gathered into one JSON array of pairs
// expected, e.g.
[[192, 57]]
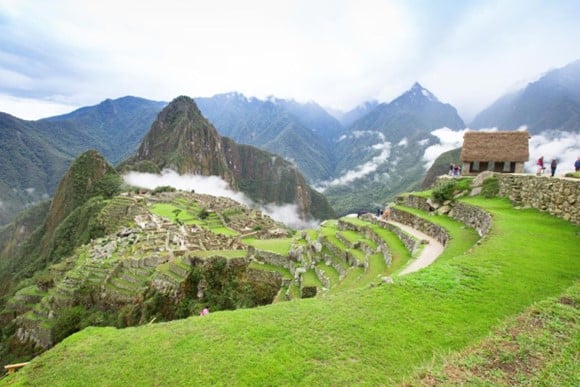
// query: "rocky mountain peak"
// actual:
[[89, 175], [416, 95]]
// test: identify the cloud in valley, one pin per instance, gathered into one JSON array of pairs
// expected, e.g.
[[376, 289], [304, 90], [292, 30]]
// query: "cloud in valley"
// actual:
[[362, 170], [448, 140], [216, 186]]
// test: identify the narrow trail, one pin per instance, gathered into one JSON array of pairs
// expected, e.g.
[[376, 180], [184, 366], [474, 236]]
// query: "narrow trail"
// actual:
[[428, 255]]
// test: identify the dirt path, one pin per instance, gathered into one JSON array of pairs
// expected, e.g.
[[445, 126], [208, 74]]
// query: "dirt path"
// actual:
[[428, 255]]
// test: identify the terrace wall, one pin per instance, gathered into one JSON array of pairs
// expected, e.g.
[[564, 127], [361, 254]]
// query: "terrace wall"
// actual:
[[558, 196]]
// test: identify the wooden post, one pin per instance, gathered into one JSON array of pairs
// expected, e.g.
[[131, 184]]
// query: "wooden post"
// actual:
[[13, 367]]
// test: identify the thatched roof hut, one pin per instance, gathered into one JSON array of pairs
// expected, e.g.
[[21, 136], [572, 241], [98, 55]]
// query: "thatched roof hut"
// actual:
[[495, 151], [495, 146]]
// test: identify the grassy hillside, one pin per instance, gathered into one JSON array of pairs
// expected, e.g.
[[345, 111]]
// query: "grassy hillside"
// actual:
[[370, 335]]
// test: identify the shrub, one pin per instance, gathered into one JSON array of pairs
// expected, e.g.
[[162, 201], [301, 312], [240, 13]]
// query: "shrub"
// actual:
[[490, 187], [163, 188], [444, 191], [44, 280], [203, 214]]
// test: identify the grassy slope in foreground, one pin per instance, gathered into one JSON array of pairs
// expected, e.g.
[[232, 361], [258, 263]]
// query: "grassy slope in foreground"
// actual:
[[377, 335]]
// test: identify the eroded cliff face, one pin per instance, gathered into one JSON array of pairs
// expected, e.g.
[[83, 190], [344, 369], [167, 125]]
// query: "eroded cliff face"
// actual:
[[183, 140]]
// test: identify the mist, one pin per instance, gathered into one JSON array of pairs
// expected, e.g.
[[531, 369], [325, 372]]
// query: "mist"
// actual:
[[216, 186]]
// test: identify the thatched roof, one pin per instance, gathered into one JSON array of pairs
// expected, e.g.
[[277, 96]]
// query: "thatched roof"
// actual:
[[495, 146]]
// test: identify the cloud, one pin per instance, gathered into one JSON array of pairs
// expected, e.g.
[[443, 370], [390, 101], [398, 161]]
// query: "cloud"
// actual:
[[562, 146], [448, 140], [32, 109], [338, 53], [363, 169], [216, 186]]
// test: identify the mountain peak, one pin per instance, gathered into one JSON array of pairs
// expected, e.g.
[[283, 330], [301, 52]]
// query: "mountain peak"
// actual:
[[417, 95]]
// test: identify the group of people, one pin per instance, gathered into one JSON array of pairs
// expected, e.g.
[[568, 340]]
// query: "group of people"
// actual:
[[454, 170], [553, 165]]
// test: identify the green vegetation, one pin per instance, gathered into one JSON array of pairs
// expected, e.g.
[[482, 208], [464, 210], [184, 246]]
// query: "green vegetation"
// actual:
[[490, 187], [376, 335], [279, 246], [537, 347]]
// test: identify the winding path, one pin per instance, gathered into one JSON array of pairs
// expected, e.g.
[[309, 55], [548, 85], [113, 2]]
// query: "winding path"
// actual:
[[428, 255]]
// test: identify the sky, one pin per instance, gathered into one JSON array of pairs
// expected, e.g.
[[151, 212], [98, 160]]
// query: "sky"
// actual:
[[59, 55]]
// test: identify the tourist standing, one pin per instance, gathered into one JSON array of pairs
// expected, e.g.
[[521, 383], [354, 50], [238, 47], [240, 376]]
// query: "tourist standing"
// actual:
[[577, 164], [540, 165], [553, 166]]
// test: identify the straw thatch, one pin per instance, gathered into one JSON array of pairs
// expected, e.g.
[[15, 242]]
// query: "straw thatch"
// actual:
[[495, 146]]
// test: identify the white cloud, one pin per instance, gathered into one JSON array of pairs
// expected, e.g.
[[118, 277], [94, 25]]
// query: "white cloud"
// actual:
[[448, 140], [338, 53], [32, 109], [562, 146], [363, 169], [30, 190], [216, 186], [403, 142]]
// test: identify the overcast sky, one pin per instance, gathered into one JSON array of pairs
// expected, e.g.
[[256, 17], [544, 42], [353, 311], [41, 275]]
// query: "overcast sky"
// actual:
[[59, 55]]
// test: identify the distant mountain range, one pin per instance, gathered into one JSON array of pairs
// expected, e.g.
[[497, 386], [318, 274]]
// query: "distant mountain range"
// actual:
[[381, 153], [34, 155], [360, 159], [550, 103]]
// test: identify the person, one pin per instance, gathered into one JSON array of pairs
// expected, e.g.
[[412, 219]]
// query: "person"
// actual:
[[204, 311], [540, 165], [386, 214], [577, 164], [553, 166], [379, 212], [451, 167]]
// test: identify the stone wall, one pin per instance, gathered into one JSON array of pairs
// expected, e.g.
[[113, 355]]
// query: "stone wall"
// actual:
[[557, 196], [433, 230], [469, 215], [472, 216]]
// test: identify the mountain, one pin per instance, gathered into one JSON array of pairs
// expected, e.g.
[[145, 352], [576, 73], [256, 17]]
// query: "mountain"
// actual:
[[348, 118], [94, 256], [34, 155], [301, 133], [381, 154], [550, 103], [181, 139], [315, 117], [30, 167], [113, 127], [63, 225]]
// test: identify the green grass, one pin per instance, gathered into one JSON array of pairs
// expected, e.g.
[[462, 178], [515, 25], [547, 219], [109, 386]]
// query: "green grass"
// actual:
[[379, 335], [538, 347], [311, 279], [280, 246], [166, 210], [267, 267]]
